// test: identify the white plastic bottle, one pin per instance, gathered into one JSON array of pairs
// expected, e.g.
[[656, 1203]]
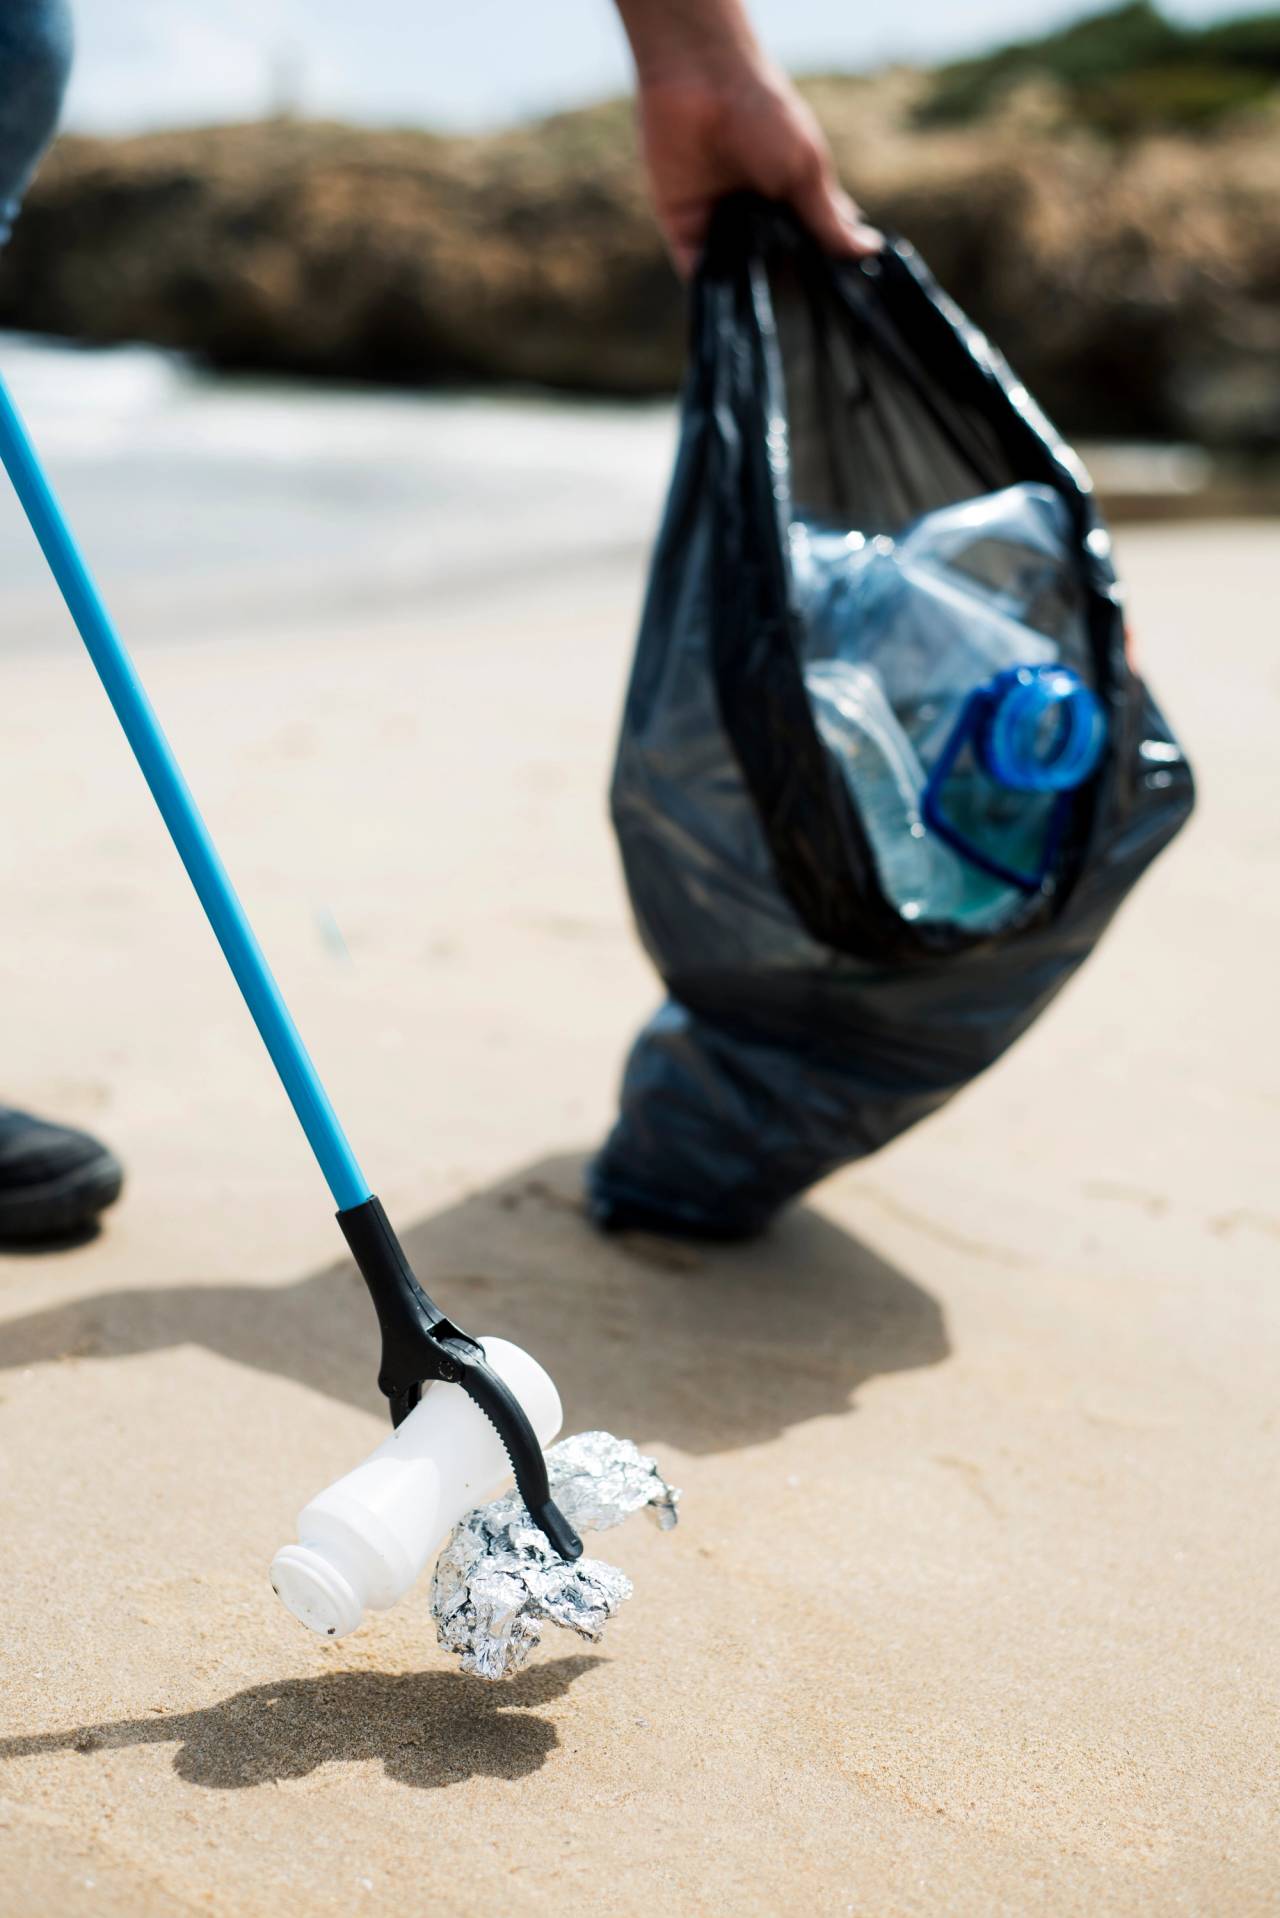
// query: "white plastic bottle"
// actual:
[[369, 1537]]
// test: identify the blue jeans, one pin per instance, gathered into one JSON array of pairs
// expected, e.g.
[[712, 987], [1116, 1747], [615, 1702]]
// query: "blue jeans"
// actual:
[[35, 59]]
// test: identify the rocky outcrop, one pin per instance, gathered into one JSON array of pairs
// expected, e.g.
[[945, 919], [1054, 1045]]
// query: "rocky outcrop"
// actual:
[[1137, 290], [328, 250]]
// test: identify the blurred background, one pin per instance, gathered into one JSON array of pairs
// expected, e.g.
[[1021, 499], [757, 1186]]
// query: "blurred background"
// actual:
[[414, 243]]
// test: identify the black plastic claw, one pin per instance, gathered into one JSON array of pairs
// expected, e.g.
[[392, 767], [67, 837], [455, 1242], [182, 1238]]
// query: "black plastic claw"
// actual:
[[507, 1416], [419, 1342], [402, 1403]]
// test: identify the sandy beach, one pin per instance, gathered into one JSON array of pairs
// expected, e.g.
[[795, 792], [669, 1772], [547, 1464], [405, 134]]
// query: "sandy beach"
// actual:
[[970, 1606]]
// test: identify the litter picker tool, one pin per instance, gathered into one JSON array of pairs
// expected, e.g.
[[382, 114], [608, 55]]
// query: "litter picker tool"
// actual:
[[420, 1344]]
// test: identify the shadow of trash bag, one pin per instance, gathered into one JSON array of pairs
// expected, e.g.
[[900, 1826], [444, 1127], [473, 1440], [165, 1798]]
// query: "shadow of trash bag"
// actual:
[[881, 599]]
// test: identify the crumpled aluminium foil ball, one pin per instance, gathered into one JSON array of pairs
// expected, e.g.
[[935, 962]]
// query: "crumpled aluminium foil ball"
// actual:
[[498, 1582]]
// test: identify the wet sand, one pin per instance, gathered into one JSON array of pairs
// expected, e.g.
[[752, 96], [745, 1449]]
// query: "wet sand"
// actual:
[[970, 1610]]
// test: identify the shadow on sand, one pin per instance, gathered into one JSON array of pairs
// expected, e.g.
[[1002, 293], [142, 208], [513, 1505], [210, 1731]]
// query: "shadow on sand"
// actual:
[[706, 1348], [703, 1348], [428, 1728]]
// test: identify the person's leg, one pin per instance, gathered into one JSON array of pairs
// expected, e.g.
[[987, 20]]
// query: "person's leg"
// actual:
[[35, 60], [53, 1181]]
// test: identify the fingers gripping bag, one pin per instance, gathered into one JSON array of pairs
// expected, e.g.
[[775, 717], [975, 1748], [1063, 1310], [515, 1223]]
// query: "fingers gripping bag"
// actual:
[[885, 772]]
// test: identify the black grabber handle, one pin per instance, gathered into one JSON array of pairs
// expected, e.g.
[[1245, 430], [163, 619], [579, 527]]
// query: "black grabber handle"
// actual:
[[419, 1343]]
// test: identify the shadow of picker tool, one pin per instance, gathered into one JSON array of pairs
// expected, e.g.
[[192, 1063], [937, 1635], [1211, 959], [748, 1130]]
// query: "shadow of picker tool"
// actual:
[[757, 1338], [430, 1729], [419, 1343]]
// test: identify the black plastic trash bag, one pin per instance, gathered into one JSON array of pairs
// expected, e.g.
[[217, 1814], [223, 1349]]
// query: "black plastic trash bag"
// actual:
[[810, 1020]]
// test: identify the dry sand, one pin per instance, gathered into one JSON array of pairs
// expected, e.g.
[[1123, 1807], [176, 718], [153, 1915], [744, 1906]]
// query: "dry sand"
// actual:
[[971, 1610]]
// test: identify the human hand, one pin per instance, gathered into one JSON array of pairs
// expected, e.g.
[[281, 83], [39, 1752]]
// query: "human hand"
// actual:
[[702, 141], [716, 115]]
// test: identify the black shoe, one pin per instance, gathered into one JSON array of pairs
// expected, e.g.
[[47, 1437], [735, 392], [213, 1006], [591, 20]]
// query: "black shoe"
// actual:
[[53, 1182]]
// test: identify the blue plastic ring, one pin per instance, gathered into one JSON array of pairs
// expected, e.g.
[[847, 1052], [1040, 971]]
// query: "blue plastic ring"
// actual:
[[1018, 748]]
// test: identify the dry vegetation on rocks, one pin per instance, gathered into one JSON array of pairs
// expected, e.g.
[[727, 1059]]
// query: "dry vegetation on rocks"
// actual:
[[1135, 284]]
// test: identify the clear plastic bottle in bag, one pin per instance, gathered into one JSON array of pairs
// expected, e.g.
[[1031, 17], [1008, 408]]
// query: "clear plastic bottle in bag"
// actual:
[[919, 872], [968, 594]]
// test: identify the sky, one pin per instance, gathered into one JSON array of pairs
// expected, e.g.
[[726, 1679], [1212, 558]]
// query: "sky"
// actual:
[[461, 64]]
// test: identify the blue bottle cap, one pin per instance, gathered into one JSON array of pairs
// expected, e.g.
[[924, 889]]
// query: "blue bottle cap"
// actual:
[[1042, 729]]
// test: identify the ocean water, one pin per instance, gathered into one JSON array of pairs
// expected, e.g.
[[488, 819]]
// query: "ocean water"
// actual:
[[201, 501], [205, 502]]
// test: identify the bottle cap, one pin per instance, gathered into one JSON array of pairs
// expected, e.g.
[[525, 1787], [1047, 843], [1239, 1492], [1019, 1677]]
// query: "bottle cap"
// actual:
[[1042, 731], [315, 1590]]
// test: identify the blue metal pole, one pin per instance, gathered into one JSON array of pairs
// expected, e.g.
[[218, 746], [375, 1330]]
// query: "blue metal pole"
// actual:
[[173, 796]]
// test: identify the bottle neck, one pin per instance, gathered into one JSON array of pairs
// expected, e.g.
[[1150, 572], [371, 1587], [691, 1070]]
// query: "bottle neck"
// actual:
[[1040, 729]]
